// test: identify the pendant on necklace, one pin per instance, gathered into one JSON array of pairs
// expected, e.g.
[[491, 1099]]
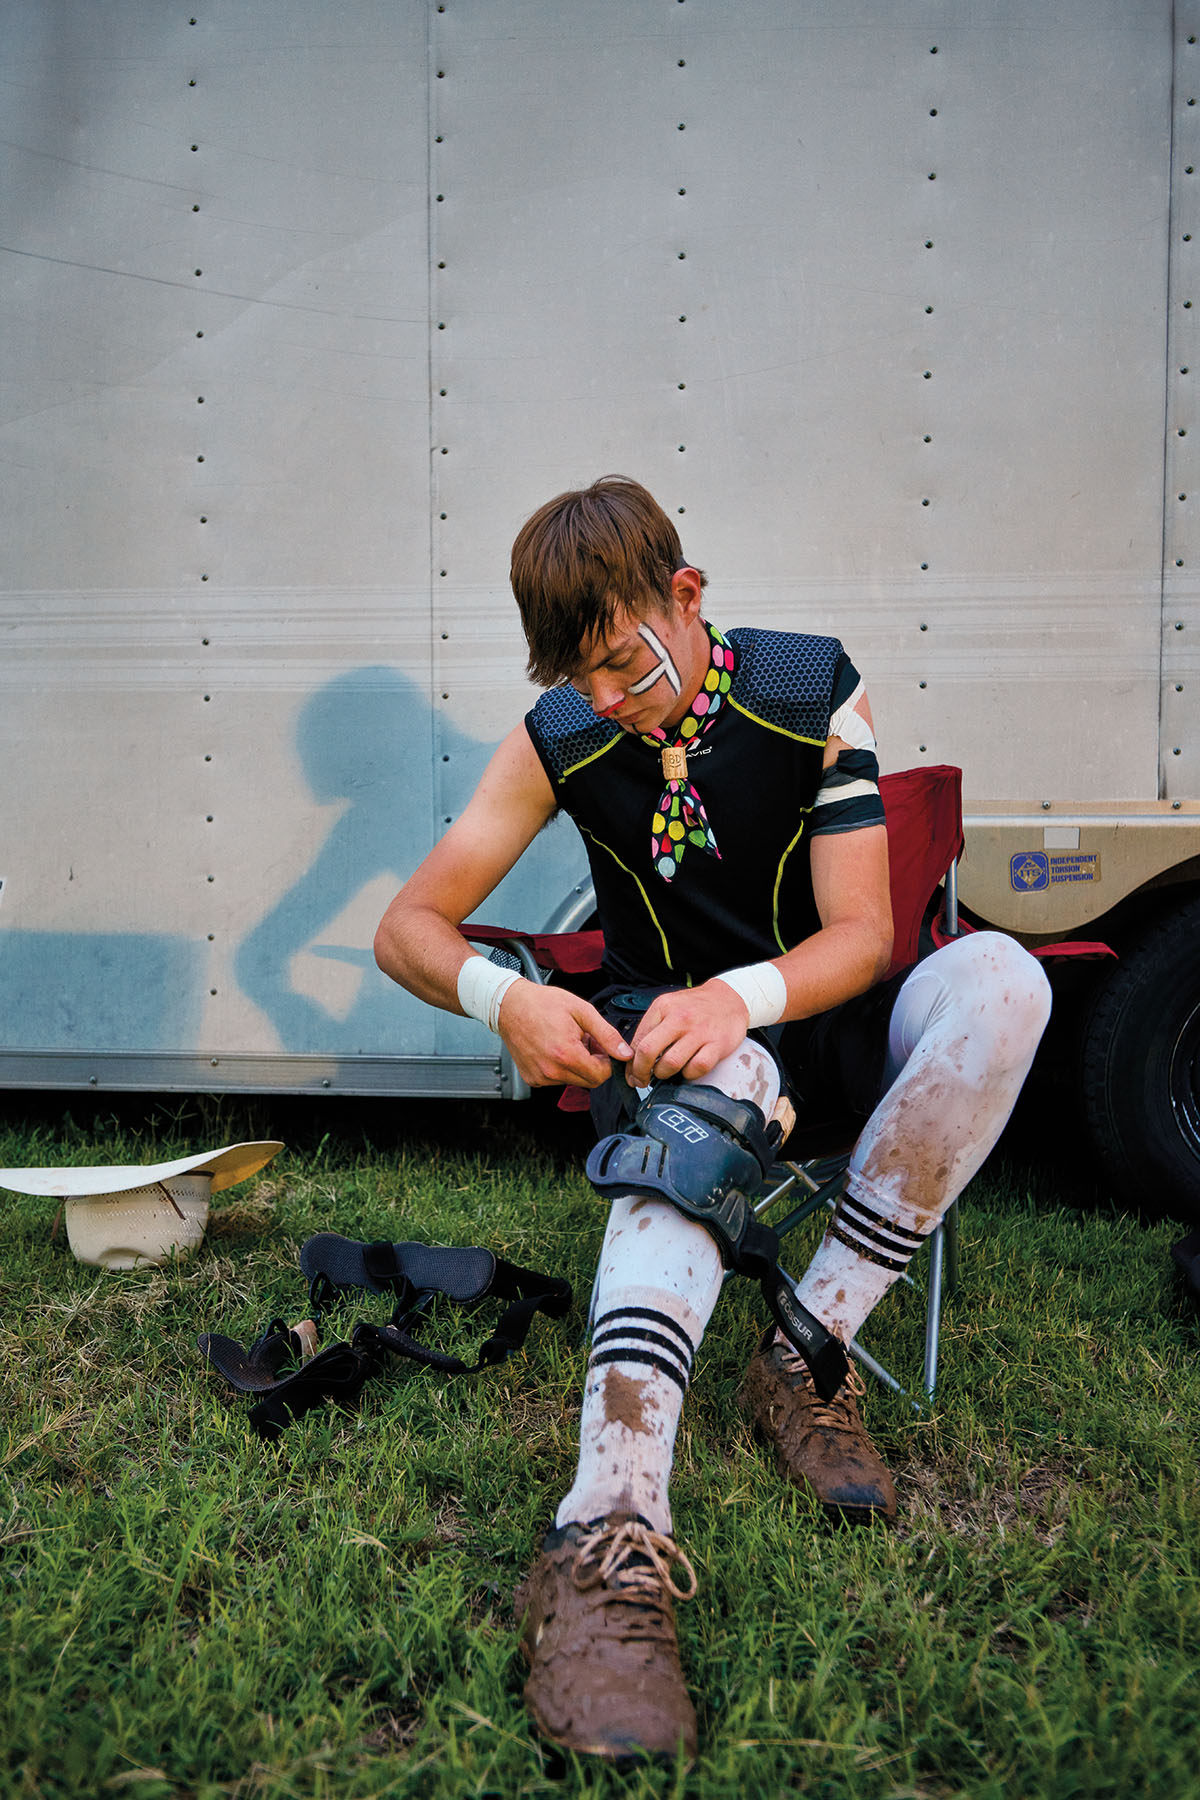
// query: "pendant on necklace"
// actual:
[[674, 762]]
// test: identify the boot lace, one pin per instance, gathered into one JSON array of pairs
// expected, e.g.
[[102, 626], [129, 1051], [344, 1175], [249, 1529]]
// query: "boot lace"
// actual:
[[642, 1559], [838, 1414]]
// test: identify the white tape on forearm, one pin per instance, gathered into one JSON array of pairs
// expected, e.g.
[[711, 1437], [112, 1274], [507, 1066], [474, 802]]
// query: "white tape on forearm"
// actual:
[[762, 987], [482, 985]]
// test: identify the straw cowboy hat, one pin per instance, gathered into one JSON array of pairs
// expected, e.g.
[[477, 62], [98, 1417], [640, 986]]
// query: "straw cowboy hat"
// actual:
[[118, 1218]]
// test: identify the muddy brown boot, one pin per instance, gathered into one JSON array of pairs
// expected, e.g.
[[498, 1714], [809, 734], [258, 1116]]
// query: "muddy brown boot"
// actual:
[[821, 1444], [599, 1636]]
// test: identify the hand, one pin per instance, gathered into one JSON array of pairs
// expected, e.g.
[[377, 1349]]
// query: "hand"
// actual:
[[554, 1036], [687, 1032]]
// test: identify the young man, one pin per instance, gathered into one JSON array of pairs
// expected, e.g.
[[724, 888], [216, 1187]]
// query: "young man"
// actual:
[[725, 788]]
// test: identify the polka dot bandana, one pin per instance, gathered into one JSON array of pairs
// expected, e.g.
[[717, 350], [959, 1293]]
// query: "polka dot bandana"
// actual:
[[679, 818]]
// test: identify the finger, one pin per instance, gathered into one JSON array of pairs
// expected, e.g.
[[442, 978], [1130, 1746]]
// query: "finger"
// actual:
[[677, 1059], [607, 1036], [657, 1056], [597, 1071], [574, 1067], [702, 1063]]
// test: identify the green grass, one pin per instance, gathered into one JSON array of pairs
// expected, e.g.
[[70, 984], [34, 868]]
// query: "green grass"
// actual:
[[189, 1613]]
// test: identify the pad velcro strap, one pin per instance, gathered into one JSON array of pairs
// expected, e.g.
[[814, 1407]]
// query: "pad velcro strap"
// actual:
[[337, 1374], [252, 1371], [527, 1292]]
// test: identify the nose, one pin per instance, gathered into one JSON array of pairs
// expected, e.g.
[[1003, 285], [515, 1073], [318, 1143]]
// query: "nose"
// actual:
[[605, 694]]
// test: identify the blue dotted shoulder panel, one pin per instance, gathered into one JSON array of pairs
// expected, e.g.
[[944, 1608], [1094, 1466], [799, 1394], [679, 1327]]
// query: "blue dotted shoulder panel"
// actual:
[[567, 731], [786, 679]]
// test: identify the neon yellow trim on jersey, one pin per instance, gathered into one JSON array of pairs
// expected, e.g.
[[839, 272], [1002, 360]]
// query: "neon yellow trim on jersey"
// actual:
[[575, 767], [641, 890], [767, 725], [779, 882]]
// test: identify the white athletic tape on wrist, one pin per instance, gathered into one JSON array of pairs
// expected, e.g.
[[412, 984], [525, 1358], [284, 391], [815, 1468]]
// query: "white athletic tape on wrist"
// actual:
[[763, 989], [482, 985]]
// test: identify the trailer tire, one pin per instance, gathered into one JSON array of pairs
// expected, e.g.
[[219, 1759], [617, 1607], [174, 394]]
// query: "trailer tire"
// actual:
[[1141, 1067]]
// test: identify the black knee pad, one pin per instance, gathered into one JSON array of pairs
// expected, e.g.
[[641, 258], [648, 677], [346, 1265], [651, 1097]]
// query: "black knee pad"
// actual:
[[697, 1148], [707, 1156]]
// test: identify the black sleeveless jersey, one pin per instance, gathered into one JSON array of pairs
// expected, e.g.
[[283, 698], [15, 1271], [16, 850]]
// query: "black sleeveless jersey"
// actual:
[[757, 771]]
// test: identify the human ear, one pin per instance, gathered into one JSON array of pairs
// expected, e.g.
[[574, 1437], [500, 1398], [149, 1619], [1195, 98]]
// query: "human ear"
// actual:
[[687, 592]]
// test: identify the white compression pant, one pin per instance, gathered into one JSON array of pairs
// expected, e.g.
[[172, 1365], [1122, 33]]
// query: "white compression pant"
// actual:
[[963, 1034], [657, 1282]]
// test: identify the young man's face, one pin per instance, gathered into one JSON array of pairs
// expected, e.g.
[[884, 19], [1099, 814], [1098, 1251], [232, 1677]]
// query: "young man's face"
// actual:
[[645, 672]]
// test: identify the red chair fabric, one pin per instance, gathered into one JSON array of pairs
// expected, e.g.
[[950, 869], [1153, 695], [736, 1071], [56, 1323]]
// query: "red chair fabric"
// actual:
[[924, 828]]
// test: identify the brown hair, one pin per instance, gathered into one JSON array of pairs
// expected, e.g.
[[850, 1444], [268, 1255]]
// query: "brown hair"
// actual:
[[581, 557]]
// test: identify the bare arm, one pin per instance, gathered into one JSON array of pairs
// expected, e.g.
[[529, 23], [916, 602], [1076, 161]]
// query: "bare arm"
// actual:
[[553, 1035]]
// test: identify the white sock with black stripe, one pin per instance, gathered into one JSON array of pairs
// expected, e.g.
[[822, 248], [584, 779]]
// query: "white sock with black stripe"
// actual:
[[644, 1342], [864, 1251], [658, 1281]]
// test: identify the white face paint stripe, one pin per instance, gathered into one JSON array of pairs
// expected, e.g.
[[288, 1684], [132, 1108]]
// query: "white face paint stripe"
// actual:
[[665, 665]]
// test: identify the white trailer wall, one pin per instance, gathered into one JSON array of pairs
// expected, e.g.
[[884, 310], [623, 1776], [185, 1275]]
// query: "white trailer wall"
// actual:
[[306, 308]]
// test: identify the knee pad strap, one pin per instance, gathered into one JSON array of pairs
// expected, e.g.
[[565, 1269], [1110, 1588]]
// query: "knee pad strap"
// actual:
[[707, 1155]]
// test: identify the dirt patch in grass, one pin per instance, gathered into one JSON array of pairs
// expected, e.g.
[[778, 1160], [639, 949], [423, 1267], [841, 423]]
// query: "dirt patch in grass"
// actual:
[[393, 1732], [1037, 1497]]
